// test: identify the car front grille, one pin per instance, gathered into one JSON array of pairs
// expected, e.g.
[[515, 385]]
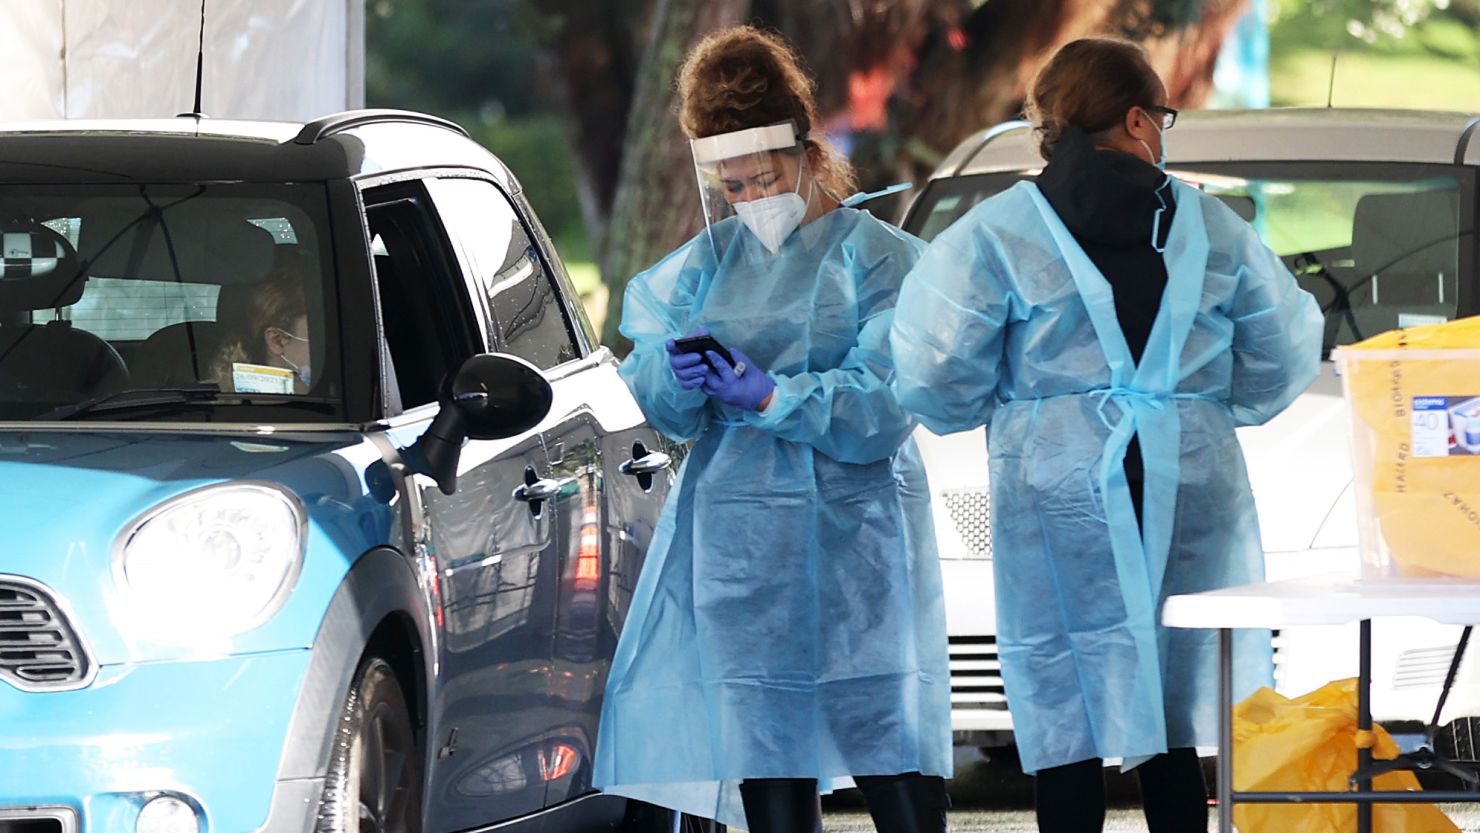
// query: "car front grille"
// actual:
[[976, 674], [39, 650], [971, 513]]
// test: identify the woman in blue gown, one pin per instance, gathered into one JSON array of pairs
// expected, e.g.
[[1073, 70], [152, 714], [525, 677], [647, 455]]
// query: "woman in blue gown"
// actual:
[[1112, 326], [788, 630]]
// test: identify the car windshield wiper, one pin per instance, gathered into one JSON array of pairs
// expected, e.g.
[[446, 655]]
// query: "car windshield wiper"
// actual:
[[133, 398]]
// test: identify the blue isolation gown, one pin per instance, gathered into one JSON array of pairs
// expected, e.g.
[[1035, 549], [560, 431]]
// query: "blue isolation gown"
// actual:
[[1006, 321], [788, 622]]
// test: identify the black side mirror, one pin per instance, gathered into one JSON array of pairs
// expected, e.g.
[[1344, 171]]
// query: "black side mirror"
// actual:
[[492, 396]]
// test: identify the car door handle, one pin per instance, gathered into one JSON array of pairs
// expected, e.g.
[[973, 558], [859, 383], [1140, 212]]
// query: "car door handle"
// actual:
[[650, 463], [538, 490]]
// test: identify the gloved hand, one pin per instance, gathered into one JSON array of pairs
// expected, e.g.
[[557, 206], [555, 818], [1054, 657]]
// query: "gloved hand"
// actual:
[[689, 368], [750, 388]]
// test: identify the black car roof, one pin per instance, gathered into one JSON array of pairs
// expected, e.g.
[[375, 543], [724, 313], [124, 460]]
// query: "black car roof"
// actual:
[[189, 149]]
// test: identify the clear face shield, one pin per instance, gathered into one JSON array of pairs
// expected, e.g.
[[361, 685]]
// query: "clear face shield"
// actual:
[[755, 188]]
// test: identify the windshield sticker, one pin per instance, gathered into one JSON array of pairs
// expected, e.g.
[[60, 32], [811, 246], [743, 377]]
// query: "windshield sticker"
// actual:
[[261, 378], [1446, 426]]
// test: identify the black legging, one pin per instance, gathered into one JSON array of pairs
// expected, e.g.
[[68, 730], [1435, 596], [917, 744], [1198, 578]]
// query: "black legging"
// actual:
[[907, 803], [1071, 798]]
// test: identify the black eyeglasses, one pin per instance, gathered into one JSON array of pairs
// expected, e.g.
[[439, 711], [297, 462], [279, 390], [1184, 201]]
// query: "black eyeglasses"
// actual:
[[1168, 115]]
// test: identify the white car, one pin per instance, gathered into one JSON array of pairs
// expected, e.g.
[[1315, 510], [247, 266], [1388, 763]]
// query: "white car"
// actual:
[[1374, 212]]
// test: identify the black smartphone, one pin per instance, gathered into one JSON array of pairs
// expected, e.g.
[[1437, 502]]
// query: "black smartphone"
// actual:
[[701, 344]]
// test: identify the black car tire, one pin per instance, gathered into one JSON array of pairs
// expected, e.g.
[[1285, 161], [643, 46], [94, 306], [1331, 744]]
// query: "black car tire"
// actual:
[[646, 818], [374, 780]]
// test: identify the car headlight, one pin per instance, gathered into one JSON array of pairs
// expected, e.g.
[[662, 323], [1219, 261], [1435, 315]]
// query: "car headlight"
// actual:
[[215, 562]]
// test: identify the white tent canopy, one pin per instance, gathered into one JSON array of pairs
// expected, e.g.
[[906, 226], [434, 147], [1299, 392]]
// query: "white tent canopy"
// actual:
[[291, 60]]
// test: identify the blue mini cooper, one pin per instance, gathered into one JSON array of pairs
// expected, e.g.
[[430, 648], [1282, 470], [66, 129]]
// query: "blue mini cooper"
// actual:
[[322, 506]]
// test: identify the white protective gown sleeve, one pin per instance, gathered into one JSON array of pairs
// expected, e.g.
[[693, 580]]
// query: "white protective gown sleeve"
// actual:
[[1276, 335], [649, 323], [849, 413], [950, 326]]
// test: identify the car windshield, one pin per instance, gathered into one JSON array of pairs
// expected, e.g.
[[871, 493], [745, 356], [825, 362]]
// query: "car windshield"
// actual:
[[182, 302], [1379, 245]]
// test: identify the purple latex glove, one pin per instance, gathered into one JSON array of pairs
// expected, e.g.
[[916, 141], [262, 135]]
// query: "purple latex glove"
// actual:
[[750, 388], [688, 368]]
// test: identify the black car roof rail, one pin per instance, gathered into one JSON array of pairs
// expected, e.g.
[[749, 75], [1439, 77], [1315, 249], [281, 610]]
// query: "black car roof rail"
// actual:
[[322, 128]]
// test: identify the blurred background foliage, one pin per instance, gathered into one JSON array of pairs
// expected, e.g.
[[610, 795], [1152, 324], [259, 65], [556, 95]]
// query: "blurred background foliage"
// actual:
[[1389, 53], [575, 95], [478, 63]]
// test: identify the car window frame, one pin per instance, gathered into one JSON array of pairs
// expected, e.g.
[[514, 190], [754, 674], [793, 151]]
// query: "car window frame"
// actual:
[[576, 322], [445, 251]]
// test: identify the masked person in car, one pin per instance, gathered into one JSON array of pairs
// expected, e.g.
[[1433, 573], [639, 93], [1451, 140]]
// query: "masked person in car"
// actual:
[[269, 351], [788, 628], [1113, 326]]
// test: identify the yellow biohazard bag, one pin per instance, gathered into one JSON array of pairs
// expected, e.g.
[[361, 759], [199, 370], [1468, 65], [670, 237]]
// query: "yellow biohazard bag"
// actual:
[[1310, 744], [1414, 400]]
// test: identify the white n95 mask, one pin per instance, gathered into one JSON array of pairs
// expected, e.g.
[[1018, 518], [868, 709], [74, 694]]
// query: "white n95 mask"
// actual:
[[754, 186], [773, 219]]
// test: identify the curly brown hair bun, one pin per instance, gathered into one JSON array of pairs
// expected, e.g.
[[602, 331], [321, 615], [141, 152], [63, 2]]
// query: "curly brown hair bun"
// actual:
[[1090, 83], [744, 77]]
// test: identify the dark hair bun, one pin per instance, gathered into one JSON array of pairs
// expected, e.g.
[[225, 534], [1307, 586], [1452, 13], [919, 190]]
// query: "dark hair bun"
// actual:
[[743, 77]]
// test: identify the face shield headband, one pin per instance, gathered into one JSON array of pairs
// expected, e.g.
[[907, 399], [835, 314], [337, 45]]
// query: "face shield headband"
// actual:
[[756, 175]]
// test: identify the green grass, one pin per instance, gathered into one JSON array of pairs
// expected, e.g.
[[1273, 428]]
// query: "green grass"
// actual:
[[1416, 81]]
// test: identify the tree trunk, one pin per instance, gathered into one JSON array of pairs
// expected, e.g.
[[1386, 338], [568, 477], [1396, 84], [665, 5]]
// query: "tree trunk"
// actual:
[[592, 58], [657, 204]]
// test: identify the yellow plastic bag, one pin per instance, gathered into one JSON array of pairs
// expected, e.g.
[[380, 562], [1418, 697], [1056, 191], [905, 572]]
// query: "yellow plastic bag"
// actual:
[[1309, 744], [1415, 400]]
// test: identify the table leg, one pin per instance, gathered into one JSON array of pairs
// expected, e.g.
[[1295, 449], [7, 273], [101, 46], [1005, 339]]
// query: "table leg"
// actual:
[[1364, 719], [1225, 731]]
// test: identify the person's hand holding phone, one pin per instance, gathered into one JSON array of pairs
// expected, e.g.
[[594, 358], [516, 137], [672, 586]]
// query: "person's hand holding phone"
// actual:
[[688, 368], [700, 342], [742, 386]]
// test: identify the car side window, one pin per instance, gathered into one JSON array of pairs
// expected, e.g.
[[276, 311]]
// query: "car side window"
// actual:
[[505, 265], [425, 312]]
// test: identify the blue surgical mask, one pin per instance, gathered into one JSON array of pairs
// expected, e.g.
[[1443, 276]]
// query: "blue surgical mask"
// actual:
[[304, 372]]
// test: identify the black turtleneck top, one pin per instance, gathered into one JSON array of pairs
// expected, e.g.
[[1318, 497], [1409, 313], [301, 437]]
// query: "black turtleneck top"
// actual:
[[1108, 200]]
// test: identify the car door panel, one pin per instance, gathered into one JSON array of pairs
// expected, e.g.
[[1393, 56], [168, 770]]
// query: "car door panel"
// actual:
[[602, 518], [491, 543], [499, 576]]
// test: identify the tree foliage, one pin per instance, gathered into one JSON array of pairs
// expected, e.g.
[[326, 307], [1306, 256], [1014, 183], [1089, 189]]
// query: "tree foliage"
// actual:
[[899, 82], [1348, 24], [904, 82]]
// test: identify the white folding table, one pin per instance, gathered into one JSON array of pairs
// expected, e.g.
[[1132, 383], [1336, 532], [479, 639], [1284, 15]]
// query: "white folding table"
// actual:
[[1334, 599]]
